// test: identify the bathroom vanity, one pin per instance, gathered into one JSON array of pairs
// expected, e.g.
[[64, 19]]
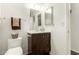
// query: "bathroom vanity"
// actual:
[[39, 43]]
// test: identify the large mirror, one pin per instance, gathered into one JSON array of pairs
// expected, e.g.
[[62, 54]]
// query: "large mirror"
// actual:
[[36, 16], [49, 16], [42, 14]]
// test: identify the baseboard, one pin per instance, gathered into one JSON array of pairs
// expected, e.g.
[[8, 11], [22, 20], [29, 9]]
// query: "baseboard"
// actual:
[[74, 52], [53, 53], [25, 53]]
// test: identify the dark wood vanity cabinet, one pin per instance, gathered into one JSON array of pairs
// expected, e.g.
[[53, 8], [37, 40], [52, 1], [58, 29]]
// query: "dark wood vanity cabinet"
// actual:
[[39, 43]]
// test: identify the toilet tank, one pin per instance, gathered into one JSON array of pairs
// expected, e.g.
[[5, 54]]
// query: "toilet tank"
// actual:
[[12, 43]]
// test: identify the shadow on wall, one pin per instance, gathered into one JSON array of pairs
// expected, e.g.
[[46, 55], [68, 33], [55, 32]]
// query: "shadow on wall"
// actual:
[[25, 44]]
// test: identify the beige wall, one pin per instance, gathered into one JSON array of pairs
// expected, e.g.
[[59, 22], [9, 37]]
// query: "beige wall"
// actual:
[[12, 10]]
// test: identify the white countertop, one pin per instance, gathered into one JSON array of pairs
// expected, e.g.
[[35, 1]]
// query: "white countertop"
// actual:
[[34, 32]]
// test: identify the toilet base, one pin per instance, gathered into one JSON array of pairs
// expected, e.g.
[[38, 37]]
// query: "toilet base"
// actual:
[[14, 51]]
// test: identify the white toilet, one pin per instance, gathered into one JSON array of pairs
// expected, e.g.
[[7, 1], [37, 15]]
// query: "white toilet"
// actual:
[[14, 47]]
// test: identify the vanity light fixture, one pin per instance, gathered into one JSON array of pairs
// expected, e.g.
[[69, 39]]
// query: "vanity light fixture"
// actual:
[[38, 6]]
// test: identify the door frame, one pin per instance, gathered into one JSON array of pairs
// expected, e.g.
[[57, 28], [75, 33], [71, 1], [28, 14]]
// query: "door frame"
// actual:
[[68, 28]]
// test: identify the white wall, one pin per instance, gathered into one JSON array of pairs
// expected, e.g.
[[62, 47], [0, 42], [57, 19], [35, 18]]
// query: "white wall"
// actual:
[[75, 27], [58, 30], [13, 10], [59, 41]]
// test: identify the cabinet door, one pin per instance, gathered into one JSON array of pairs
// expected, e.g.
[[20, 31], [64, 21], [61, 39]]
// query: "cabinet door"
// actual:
[[45, 42], [35, 43]]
